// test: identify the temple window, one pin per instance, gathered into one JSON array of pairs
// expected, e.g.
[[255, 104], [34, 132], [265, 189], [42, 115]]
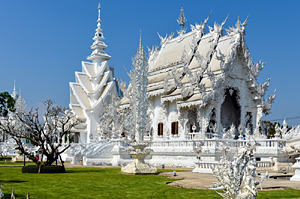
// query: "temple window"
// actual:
[[160, 130], [174, 128]]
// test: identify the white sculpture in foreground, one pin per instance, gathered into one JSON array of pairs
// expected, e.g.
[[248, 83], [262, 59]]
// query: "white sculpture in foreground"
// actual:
[[140, 106], [239, 172]]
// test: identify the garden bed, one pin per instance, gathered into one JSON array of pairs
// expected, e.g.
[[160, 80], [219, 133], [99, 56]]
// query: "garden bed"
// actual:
[[44, 169]]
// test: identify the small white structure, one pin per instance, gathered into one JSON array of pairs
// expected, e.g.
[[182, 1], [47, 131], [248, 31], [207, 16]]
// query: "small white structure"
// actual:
[[92, 88], [296, 166]]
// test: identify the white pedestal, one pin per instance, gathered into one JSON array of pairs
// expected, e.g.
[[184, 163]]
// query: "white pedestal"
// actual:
[[138, 166], [296, 177], [202, 167]]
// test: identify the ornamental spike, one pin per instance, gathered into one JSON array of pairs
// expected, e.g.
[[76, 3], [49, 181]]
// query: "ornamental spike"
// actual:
[[99, 20], [14, 85], [246, 20], [140, 45], [181, 20]]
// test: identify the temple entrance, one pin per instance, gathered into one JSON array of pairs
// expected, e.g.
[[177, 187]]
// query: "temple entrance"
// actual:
[[230, 109]]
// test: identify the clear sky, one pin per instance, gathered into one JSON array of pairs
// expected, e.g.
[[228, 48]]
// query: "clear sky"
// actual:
[[42, 43]]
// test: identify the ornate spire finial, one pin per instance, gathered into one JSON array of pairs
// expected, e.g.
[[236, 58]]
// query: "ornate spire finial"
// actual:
[[181, 20], [15, 94], [140, 46], [98, 46], [99, 8]]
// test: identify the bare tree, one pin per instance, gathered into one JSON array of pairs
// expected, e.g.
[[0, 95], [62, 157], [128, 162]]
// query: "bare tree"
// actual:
[[47, 134]]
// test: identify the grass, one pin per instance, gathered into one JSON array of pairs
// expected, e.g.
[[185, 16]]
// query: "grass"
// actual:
[[9, 163], [104, 183]]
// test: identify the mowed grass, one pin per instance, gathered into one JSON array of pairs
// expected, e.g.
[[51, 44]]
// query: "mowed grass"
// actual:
[[104, 183]]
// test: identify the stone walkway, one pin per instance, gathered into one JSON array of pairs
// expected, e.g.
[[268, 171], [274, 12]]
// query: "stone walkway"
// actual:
[[204, 181]]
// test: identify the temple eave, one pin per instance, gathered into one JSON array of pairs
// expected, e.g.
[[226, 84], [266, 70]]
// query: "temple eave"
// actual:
[[102, 56]]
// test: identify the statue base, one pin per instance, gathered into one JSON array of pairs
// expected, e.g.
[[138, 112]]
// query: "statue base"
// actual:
[[138, 166], [296, 166]]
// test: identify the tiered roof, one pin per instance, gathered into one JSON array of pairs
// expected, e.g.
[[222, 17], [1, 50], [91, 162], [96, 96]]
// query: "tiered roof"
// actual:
[[189, 67], [95, 81]]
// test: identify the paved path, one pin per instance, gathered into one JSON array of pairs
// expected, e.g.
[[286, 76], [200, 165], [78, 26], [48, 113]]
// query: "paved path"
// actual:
[[188, 179], [204, 181]]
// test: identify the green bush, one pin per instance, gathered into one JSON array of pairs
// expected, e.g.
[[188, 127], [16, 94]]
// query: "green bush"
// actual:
[[45, 169]]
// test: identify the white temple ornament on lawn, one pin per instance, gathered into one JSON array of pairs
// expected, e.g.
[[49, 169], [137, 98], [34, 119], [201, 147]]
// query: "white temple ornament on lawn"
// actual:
[[231, 175], [140, 106]]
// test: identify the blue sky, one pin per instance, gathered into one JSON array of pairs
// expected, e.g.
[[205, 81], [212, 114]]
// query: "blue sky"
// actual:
[[42, 43]]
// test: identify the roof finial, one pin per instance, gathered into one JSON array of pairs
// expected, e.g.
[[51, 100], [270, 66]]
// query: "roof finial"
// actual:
[[140, 46], [15, 94], [99, 8], [181, 20]]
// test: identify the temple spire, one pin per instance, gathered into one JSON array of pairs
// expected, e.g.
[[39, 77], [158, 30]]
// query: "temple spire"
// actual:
[[98, 46], [15, 94], [140, 45], [181, 21], [99, 20]]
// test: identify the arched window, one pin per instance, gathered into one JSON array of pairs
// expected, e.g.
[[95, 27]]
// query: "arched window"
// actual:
[[160, 127], [174, 128]]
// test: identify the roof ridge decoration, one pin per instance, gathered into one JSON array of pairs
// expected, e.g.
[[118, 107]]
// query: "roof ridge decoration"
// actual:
[[196, 77], [164, 40], [237, 35], [178, 74]]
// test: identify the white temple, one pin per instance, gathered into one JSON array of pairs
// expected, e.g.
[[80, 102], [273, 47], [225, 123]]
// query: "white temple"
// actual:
[[92, 88], [202, 89]]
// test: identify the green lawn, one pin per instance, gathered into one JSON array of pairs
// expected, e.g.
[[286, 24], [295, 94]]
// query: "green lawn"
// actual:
[[103, 183]]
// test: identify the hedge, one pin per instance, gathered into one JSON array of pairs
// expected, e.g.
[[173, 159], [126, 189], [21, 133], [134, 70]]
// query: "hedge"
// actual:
[[45, 169]]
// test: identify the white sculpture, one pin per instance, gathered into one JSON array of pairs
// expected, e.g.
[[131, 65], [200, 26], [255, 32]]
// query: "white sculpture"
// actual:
[[140, 106], [237, 178]]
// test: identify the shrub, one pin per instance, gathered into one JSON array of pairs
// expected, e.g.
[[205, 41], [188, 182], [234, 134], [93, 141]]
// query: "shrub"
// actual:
[[45, 169]]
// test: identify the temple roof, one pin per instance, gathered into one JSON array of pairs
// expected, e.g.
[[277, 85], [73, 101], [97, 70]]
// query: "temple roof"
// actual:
[[190, 67]]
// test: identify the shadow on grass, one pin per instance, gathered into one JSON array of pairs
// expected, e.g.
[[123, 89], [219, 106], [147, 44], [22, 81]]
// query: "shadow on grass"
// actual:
[[11, 181]]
